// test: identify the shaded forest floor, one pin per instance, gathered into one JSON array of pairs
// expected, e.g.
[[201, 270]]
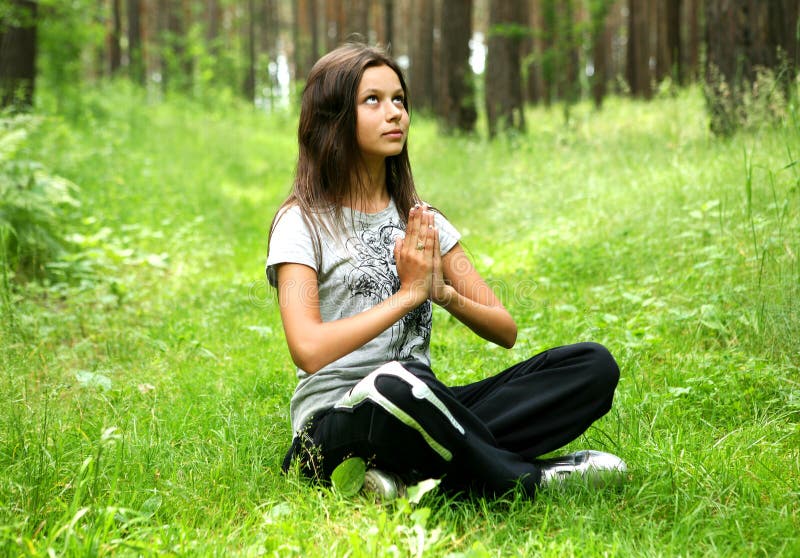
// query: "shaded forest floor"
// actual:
[[146, 384]]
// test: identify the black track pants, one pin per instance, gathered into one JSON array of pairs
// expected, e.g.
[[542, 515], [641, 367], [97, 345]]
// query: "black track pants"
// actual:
[[483, 436]]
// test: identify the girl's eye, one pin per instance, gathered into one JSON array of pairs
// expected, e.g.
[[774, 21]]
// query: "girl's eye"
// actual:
[[371, 100], [399, 100]]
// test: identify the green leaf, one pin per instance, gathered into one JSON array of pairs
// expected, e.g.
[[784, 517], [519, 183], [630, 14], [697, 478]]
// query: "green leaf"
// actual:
[[348, 477]]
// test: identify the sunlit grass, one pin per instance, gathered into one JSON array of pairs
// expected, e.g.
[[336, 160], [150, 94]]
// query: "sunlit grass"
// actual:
[[146, 409]]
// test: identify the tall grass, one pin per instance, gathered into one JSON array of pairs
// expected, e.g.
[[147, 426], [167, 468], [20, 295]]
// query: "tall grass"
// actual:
[[146, 407]]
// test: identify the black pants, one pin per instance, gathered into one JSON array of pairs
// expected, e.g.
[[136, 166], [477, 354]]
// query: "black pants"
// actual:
[[483, 436]]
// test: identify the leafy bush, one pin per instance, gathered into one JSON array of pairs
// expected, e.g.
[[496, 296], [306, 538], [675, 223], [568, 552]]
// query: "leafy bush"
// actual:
[[34, 204]]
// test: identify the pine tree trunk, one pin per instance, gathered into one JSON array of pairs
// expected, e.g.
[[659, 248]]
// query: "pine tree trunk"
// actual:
[[388, 22], [673, 40], [421, 75], [533, 50], [114, 49], [638, 66], [504, 105], [692, 59], [136, 69], [249, 86], [18, 56], [601, 53], [727, 64], [458, 97]]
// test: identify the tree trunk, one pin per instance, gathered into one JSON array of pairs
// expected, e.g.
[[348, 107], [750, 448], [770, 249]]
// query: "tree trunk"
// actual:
[[213, 16], [568, 85], [638, 66], [304, 13], [672, 40], [18, 56], [313, 27], [741, 36], [783, 52], [507, 27], [728, 63], [357, 19], [458, 98], [388, 22], [533, 52], [249, 86], [421, 75], [691, 64], [601, 50], [114, 50], [334, 23], [549, 49], [136, 69]]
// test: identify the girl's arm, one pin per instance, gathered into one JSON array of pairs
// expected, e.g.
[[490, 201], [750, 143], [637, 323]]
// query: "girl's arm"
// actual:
[[313, 343], [459, 288]]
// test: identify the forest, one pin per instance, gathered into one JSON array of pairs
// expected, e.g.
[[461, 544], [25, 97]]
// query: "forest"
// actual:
[[533, 51], [621, 171]]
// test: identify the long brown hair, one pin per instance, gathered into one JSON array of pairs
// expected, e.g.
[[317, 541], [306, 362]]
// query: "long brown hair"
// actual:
[[329, 152]]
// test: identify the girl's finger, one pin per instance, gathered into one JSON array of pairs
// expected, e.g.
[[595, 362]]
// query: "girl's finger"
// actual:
[[412, 228], [428, 231]]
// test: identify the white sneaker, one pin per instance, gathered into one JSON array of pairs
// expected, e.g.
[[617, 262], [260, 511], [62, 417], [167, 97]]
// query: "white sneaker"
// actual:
[[596, 468], [383, 485]]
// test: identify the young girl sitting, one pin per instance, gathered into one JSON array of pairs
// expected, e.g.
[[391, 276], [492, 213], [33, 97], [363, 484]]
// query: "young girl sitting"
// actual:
[[358, 260]]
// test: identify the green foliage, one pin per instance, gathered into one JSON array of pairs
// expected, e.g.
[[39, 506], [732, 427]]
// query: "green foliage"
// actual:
[[69, 34], [34, 203]]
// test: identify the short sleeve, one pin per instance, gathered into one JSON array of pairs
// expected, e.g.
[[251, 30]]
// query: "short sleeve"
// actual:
[[448, 235], [292, 241]]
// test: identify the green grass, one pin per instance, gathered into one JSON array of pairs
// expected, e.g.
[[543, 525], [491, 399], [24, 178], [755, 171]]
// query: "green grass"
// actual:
[[146, 407]]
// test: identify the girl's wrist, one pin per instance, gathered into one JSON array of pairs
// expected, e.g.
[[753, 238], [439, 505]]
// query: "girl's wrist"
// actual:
[[448, 295], [411, 298]]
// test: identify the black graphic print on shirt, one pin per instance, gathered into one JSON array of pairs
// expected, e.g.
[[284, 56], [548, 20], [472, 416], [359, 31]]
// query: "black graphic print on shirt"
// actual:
[[374, 277]]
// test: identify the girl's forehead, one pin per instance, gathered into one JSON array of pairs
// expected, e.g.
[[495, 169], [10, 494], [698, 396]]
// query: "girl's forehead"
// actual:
[[380, 78]]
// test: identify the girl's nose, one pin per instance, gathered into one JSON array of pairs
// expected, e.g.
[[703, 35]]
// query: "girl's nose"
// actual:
[[393, 112]]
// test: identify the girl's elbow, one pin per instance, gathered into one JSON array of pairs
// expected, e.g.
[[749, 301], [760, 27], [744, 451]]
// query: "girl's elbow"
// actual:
[[306, 360], [509, 340], [510, 337]]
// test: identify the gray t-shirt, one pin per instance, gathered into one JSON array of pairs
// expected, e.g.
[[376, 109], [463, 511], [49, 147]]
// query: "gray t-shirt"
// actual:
[[355, 271]]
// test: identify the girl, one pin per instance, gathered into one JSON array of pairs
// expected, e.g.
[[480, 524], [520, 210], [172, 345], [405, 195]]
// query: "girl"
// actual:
[[358, 260]]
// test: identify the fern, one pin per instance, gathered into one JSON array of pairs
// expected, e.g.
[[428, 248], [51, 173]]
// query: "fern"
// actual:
[[33, 204]]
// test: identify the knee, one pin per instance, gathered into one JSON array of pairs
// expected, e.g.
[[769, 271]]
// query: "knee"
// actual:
[[605, 371], [393, 388]]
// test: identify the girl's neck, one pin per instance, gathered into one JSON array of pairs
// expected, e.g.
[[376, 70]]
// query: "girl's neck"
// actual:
[[370, 193]]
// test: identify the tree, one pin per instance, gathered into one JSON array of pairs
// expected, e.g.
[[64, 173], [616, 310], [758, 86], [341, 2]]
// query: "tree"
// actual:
[[532, 47], [388, 21], [601, 34], [638, 66], [741, 37], [507, 28], [304, 36], [136, 66], [18, 53], [668, 53], [249, 86], [114, 49], [421, 74], [690, 65], [783, 36], [357, 18], [458, 97]]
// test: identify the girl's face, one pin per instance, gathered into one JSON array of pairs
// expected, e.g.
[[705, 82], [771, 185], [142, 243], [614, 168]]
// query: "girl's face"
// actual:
[[381, 118]]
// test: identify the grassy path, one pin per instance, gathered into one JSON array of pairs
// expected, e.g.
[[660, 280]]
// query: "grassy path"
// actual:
[[145, 408]]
